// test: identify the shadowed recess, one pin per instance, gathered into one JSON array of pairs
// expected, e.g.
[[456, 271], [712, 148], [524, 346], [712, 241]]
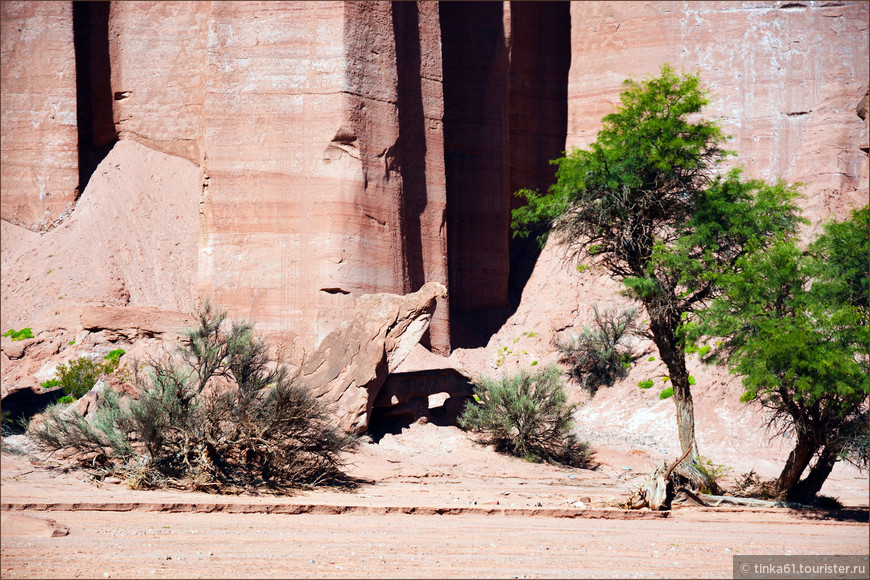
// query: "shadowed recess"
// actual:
[[94, 98]]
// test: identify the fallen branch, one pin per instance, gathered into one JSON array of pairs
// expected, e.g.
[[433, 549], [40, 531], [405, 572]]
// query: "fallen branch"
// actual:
[[726, 500]]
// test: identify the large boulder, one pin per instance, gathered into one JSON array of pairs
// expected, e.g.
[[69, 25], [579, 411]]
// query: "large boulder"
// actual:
[[353, 361]]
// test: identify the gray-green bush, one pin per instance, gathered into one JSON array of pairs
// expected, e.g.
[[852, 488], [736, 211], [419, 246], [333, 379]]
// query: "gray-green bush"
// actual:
[[221, 418], [599, 355], [527, 415]]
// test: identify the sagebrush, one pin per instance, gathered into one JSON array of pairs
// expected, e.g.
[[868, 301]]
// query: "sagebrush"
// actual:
[[527, 415], [600, 354], [217, 416]]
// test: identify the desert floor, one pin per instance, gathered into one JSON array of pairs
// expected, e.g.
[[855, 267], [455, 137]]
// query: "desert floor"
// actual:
[[430, 504]]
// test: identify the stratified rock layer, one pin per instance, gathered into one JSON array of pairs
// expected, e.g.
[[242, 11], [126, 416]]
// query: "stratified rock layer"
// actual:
[[784, 78], [344, 149], [325, 161], [39, 164], [157, 59]]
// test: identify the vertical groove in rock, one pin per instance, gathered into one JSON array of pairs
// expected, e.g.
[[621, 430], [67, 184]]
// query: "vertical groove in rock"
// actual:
[[475, 60], [540, 60], [411, 142], [96, 125], [420, 156]]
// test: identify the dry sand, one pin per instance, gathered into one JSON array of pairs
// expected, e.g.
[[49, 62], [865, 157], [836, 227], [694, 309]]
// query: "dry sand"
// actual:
[[432, 504]]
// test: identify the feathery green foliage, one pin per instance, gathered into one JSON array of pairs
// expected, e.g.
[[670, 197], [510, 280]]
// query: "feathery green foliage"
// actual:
[[527, 415], [795, 327], [647, 202]]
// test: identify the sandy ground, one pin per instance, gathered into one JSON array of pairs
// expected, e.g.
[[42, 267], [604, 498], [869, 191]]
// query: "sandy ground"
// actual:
[[431, 504]]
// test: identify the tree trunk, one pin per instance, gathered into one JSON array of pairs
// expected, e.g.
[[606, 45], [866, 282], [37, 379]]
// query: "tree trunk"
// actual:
[[664, 335], [686, 420], [806, 490], [797, 461]]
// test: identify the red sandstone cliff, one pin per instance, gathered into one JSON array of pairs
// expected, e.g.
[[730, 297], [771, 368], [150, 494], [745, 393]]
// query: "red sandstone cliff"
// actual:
[[361, 147], [784, 78], [38, 93]]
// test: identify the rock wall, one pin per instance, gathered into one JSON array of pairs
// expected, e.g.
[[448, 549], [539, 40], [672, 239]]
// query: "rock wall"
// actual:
[[39, 165], [157, 65], [785, 79], [325, 163], [366, 147]]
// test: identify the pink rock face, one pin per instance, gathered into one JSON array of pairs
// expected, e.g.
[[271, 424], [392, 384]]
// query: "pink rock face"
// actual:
[[343, 149], [38, 89], [158, 59], [321, 187], [784, 79], [351, 364], [132, 241]]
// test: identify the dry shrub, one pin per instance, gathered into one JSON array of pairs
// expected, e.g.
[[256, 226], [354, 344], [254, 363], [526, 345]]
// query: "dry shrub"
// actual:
[[527, 415], [599, 355], [218, 416]]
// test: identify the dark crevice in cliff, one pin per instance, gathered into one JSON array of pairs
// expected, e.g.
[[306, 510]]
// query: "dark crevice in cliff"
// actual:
[[475, 64], [94, 96], [411, 143], [505, 118], [538, 105]]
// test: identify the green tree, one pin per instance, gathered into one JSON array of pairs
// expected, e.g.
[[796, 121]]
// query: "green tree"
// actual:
[[795, 326], [648, 203]]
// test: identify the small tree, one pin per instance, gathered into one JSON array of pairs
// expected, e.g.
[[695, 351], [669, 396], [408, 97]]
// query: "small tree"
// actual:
[[526, 415], [795, 326], [647, 203]]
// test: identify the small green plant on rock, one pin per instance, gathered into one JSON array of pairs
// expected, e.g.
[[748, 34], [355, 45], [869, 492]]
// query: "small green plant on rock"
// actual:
[[50, 384], [79, 376], [115, 355], [22, 334], [527, 415]]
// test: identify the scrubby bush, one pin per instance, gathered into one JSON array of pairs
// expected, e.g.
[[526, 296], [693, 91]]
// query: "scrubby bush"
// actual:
[[527, 415], [599, 355], [79, 376], [218, 416]]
